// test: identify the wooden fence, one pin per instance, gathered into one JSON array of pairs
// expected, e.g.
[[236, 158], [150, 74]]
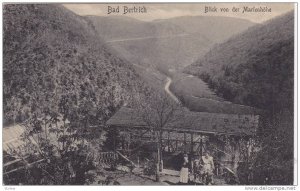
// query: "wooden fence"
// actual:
[[107, 158]]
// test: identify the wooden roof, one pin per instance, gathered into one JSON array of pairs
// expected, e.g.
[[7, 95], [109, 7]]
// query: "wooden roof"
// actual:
[[12, 137], [209, 123]]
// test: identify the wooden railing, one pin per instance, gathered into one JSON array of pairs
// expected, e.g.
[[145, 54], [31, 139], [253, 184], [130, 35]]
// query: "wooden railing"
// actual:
[[107, 158]]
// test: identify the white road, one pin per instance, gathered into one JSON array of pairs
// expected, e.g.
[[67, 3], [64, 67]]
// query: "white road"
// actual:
[[145, 38], [167, 89]]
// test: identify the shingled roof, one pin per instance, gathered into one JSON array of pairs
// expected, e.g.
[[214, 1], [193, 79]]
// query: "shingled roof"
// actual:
[[209, 123]]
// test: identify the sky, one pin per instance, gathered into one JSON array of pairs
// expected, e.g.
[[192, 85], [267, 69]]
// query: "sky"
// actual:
[[169, 10]]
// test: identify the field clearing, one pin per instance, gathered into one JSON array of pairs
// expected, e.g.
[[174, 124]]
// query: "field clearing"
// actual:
[[189, 85], [196, 95]]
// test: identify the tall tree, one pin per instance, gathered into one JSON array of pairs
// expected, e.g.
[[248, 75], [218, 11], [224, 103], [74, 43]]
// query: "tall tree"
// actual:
[[159, 111]]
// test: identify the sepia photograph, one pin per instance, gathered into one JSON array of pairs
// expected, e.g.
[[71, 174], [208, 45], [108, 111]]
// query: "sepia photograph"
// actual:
[[149, 94]]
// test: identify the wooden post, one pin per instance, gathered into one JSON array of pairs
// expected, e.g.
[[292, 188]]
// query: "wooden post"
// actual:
[[129, 141], [192, 143], [201, 144], [123, 142], [123, 139], [114, 137], [247, 159], [168, 141], [184, 141]]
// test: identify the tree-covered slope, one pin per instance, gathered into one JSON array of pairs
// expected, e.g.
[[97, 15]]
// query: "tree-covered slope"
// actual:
[[123, 27], [253, 68], [211, 28], [256, 68], [54, 61]]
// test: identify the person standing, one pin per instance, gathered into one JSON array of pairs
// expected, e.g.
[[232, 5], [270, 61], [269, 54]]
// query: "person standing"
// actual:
[[184, 172], [208, 167]]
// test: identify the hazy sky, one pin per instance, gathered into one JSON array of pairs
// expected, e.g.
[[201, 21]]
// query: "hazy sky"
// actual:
[[168, 10]]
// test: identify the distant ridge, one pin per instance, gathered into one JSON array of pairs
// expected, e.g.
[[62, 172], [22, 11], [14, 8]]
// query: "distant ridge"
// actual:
[[165, 53]]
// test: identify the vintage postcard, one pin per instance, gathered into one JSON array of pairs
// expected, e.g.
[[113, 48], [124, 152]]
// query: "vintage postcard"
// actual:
[[149, 94]]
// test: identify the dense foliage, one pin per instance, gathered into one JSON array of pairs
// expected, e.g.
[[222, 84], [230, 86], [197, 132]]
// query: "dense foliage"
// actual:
[[51, 56], [253, 67], [256, 68], [61, 80]]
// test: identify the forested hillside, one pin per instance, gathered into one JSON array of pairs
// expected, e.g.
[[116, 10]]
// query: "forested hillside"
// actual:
[[55, 62], [212, 28], [166, 43], [256, 68], [122, 27]]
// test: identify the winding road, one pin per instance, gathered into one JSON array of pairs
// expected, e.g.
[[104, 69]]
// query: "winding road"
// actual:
[[167, 89], [145, 38]]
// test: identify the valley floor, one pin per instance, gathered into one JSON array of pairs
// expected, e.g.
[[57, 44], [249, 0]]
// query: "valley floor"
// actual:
[[197, 96]]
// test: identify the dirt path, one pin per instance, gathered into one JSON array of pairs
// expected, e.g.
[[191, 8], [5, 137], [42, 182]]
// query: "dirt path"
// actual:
[[167, 89]]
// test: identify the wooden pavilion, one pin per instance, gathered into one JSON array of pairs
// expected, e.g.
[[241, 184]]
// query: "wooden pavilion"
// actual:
[[228, 137]]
